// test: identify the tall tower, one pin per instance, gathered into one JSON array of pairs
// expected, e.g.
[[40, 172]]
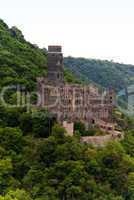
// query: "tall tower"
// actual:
[[55, 65]]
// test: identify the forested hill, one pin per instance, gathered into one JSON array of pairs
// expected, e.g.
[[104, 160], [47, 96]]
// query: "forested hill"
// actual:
[[104, 73], [20, 61], [38, 161]]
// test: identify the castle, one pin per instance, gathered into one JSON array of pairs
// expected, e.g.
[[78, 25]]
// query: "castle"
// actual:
[[73, 102]]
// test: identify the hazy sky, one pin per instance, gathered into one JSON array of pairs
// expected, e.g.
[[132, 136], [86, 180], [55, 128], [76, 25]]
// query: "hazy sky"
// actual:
[[88, 28]]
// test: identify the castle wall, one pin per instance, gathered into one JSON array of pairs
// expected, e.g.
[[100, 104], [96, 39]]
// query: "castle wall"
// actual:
[[100, 141], [69, 126], [72, 102]]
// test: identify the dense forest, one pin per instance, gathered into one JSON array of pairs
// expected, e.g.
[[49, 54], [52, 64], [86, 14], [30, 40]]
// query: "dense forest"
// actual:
[[103, 73], [38, 160]]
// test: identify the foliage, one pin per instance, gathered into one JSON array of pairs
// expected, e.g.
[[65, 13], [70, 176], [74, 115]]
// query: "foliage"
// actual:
[[20, 61], [59, 166], [38, 160], [42, 123], [16, 195], [104, 73], [92, 130]]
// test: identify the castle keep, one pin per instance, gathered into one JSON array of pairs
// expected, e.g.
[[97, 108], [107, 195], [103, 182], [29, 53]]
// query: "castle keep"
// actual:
[[73, 102]]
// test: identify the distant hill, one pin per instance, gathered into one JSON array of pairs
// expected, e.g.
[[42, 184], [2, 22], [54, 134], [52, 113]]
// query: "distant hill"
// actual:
[[104, 73]]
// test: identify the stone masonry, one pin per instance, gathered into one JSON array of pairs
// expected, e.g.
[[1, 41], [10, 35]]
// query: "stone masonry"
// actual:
[[73, 102]]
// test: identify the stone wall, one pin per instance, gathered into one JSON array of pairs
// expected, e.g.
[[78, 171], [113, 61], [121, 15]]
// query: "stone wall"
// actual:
[[69, 126], [73, 102], [100, 141]]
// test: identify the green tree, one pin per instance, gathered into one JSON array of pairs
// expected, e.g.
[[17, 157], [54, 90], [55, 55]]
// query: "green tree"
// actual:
[[79, 126], [11, 139], [6, 170], [131, 186], [42, 123], [16, 195]]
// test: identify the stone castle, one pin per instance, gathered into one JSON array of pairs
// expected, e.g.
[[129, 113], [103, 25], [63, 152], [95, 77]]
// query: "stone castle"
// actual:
[[73, 102]]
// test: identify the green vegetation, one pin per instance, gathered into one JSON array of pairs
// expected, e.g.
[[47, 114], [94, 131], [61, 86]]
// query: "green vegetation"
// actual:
[[20, 61], [54, 166], [81, 130], [38, 161], [124, 122], [103, 73], [70, 78]]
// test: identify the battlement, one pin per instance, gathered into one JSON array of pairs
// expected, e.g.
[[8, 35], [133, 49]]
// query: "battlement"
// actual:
[[54, 49], [55, 65]]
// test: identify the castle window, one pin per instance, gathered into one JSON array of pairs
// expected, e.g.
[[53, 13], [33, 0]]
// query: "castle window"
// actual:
[[58, 76], [93, 121]]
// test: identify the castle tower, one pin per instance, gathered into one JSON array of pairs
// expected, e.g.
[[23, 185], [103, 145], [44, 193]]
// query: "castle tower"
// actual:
[[112, 97], [55, 65]]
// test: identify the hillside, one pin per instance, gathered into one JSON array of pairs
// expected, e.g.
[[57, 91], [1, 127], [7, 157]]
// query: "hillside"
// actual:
[[38, 160], [104, 73], [20, 61]]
